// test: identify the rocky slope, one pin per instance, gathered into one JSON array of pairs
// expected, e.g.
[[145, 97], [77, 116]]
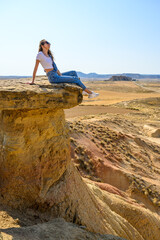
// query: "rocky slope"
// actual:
[[38, 178], [116, 154], [57, 229]]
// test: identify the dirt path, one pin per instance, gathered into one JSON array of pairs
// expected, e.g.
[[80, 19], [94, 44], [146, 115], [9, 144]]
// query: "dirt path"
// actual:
[[147, 88]]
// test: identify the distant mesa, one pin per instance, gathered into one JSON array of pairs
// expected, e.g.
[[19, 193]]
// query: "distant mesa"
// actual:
[[121, 78], [107, 76]]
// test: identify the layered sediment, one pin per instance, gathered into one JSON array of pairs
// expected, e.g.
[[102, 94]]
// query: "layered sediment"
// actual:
[[34, 140]]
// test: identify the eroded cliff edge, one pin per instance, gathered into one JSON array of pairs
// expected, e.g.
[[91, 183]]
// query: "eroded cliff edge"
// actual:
[[36, 171], [34, 140]]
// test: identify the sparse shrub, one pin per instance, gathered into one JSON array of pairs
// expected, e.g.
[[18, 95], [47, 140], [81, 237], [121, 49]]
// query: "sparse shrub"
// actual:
[[102, 143], [146, 192], [154, 200]]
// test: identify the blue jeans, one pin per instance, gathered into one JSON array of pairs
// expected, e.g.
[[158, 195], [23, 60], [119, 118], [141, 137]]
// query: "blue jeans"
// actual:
[[68, 77]]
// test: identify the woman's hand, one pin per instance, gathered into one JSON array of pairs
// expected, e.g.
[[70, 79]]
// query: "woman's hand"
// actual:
[[31, 83]]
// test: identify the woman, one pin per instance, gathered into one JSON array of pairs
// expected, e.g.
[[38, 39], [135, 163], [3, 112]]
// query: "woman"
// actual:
[[45, 57]]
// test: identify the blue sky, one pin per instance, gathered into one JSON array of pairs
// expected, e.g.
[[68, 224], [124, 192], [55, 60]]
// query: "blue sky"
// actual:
[[102, 36]]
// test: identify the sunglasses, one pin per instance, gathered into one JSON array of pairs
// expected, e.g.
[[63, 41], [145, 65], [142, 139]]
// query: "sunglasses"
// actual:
[[45, 42]]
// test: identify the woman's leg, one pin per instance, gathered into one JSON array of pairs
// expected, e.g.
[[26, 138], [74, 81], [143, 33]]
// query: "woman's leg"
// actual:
[[74, 73], [70, 73], [55, 78], [66, 79]]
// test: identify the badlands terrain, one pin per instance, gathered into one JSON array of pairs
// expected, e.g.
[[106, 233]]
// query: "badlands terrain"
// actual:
[[115, 140], [112, 182]]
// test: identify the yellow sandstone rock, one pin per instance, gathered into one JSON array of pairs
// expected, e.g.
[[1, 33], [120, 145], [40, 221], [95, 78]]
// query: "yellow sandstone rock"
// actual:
[[34, 140]]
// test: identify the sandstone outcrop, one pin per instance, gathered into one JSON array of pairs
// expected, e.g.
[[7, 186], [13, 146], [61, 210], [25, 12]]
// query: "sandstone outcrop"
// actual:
[[121, 78], [34, 140], [152, 131]]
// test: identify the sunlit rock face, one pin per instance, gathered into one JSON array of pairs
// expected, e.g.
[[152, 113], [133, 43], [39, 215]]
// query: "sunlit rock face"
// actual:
[[34, 139]]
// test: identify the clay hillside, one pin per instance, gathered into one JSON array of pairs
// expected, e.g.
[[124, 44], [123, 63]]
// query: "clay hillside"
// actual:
[[73, 168]]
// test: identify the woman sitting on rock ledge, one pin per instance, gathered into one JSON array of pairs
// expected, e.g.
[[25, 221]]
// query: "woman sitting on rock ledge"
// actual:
[[45, 57]]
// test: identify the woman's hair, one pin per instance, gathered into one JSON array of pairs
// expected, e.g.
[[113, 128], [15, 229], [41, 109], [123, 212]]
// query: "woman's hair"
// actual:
[[49, 51]]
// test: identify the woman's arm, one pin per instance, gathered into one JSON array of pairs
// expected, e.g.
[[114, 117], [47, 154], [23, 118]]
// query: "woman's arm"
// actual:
[[59, 73], [35, 70]]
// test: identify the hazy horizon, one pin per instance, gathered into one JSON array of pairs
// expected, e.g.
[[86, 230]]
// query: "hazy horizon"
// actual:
[[104, 37], [84, 73]]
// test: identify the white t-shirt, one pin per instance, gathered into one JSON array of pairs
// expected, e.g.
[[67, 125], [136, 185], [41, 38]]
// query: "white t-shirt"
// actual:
[[46, 62]]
